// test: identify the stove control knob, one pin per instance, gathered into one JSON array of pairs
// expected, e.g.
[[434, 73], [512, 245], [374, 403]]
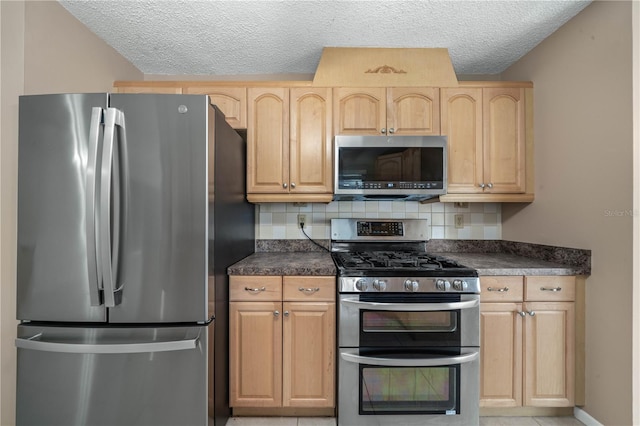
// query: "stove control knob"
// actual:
[[380, 285], [443, 285], [460, 285], [362, 285], [411, 286]]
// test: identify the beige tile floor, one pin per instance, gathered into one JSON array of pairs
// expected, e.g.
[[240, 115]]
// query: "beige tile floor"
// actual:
[[328, 421]]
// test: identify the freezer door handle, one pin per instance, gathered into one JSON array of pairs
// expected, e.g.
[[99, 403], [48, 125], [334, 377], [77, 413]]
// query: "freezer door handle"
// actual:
[[111, 192], [34, 343], [93, 259]]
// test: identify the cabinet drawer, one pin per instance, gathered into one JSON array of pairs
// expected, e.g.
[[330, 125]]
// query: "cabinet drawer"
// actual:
[[501, 288], [550, 288], [308, 288], [249, 288]]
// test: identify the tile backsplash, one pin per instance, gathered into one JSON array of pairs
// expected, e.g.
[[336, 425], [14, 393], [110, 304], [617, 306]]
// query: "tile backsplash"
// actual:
[[481, 221]]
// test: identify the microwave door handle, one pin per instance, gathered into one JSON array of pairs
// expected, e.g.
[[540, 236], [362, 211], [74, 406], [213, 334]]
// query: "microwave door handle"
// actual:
[[351, 356], [412, 307], [94, 266]]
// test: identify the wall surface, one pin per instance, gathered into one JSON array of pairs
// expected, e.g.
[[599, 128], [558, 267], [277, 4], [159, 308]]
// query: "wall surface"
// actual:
[[44, 49], [63, 56], [11, 83], [582, 78]]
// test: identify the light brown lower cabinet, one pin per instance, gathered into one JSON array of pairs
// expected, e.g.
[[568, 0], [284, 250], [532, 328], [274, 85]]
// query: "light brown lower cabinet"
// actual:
[[527, 328], [282, 341]]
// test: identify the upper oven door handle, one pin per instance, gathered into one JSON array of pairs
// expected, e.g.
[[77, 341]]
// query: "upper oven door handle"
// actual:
[[350, 355], [413, 307]]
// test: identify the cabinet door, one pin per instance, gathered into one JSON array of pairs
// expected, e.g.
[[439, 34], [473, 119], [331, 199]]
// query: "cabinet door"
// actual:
[[232, 101], [311, 141], [255, 354], [308, 354], [500, 355], [413, 111], [268, 140], [549, 354], [504, 140], [360, 111], [462, 124]]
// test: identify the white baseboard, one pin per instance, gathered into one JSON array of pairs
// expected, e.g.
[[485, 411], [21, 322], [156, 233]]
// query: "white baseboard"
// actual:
[[585, 418]]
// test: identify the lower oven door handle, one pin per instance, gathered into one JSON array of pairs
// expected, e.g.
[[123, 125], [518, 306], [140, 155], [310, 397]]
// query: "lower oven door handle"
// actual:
[[409, 362], [422, 307]]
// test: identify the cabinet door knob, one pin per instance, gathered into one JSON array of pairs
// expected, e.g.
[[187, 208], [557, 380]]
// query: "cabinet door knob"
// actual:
[[286, 313], [522, 314], [383, 131], [284, 185], [482, 185], [489, 185], [293, 184], [392, 130], [276, 313], [532, 313]]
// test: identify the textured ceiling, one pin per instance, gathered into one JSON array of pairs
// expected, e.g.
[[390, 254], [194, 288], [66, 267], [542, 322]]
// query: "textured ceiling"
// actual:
[[231, 37]]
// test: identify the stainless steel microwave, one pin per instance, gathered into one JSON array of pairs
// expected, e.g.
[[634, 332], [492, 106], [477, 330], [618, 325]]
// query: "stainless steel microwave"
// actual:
[[390, 167]]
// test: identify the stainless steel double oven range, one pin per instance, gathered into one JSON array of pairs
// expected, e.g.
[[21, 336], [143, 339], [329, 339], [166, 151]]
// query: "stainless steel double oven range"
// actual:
[[408, 327]]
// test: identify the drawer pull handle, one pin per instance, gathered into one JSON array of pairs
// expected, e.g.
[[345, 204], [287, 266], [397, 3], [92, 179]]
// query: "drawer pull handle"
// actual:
[[551, 288], [501, 290], [255, 290], [310, 290]]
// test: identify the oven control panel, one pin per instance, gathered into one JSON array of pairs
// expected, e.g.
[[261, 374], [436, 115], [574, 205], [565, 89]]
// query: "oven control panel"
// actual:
[[363, 229], [380, 229], [409, 285]]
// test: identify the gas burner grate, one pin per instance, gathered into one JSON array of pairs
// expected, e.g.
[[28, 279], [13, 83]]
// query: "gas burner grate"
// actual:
[[390, 260]]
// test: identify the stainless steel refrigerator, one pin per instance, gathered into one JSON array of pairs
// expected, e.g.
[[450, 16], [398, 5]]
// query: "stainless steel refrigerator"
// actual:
[[130, 209]]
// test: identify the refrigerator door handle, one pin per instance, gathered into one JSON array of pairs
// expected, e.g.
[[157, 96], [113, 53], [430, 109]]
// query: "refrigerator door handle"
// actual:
[[110, 237], [91, 232], [32, 343]]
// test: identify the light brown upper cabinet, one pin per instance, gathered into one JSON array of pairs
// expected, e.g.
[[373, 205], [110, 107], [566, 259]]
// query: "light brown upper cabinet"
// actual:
[[387, 111], [289, 145], [232, 101], [488, 146]]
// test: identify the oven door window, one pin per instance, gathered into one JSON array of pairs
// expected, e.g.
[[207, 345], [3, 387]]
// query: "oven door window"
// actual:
[[415, 322], [409, 390], [406, 328]]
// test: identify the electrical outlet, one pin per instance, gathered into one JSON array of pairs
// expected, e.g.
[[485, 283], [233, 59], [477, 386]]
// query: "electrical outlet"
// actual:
[[302, 219], [458, 220]]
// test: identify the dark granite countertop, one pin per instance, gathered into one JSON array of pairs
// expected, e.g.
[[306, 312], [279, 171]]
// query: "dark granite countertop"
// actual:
[[493, 257], [510, 264], [285, 263]]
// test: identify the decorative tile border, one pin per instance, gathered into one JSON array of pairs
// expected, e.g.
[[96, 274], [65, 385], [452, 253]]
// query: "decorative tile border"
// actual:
[[482, 221]]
